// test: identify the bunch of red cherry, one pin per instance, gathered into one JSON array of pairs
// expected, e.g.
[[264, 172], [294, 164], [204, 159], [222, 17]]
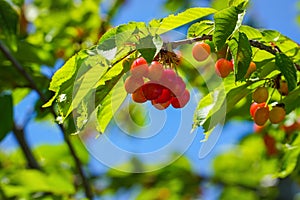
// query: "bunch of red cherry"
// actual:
[[163, 87]]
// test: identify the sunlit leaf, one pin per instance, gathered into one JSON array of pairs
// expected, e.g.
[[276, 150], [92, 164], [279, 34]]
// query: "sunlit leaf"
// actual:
[[251, 32], [109, 105], [200, 28], [174, 21], [85, 83], [213, 107], [65, 73]]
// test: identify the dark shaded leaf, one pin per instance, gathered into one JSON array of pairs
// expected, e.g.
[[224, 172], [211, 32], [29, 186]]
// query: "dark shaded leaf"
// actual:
[[287, 68]]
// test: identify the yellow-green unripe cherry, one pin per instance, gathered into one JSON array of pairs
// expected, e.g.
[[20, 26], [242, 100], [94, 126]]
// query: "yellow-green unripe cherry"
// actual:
[[260, 95], [277, 115]]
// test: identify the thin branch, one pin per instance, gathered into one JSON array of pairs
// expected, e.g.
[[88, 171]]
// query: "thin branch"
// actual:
[[20, 137], [254, 43], [175, 44], [78, 164], [19, 67]]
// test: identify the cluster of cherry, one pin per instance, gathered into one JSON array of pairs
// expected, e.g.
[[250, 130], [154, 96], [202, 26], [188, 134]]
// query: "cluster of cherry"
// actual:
[[163, 87]]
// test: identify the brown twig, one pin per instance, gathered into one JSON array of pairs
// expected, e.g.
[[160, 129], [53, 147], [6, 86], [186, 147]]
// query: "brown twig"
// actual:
[[254, 43], [20, 137], [177, 43], [33, 85]]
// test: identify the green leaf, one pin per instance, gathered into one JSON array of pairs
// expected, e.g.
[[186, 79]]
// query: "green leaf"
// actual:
[[110, 105], [61, 76], [225, 24], [213, 107], [251, 32], [85, 83], [120, 41], [242, 4], [6, 116], [174, 21], [149, 46], [207, 107], [200, 28], [287, 68], [292, 101], [8, 23], [271, 36], [242, 53], [290, 159]]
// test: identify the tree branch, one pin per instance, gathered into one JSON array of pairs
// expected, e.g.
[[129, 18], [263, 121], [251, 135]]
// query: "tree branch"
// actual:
[[175, 44], [254, 43], [78, 164], [20, 137]]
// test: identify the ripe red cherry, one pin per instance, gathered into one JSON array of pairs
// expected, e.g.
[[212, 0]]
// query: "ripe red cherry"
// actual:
[[201, 51], [168, 77], [254, 106], [223, 67], [152, 90], [160, 106], [178, 86], [257, 128], [139, 68], [138, 96], [270, 144], [291, 128], [181, 101], [132, 83], [155, 71], [164, 97]]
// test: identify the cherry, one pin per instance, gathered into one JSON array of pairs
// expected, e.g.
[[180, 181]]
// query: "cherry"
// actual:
[[223, 67], [160, 106], [254, 106], [152, 90], [277, 115], [251, 69], [260, 95], [201, 51], [178, 86], [270, 144], [164, 97], [155, 71], [132, 83], [283, 88], [261, 116], [139, 68], [181, 101], [257, 128], [138, 96], [291, 128], [167, 78]]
